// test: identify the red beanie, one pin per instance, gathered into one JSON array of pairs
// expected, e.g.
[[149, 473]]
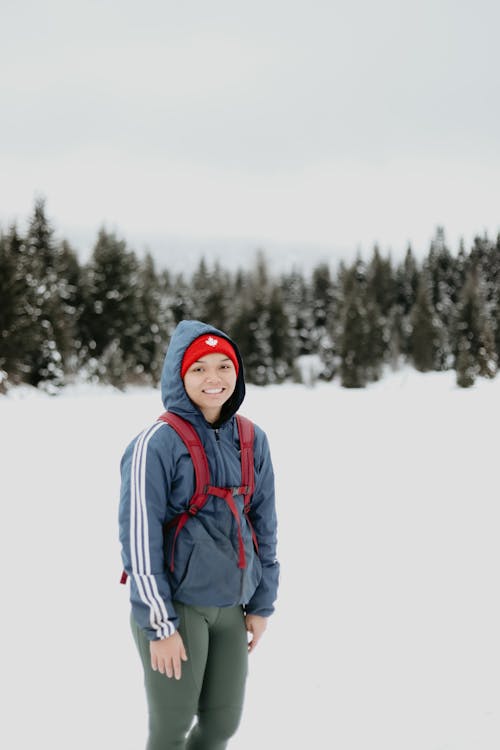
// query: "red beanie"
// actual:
[[208, 344]]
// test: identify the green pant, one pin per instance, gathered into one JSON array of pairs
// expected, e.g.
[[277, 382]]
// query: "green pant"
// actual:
[[211, 687]]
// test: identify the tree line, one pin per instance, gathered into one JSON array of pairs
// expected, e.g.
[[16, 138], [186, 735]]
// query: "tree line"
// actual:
[[110, 319]]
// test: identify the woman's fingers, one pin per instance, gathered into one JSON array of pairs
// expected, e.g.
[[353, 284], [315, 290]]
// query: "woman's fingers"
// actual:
[[184, 656], [255, 625], [166, 656]]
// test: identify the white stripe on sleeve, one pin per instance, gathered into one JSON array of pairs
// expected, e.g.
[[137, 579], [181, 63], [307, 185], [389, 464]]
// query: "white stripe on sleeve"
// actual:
[[139, 542]]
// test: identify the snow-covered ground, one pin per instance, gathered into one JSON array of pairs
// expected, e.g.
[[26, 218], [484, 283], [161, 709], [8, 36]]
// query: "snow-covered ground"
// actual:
[[387, 631]]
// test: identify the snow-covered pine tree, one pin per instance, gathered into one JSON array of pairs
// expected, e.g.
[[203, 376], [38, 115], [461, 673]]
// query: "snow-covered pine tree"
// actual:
[[69, 274], [111, 313], [465, 366], [476, 351], [51, 338], [357, 368], [495, 285], [485, 256], [425, 337], [13, 313], [180, 294], [250, 327], [406, 281], [281, 343], [443, 279], [381, 293], [155, 323], [213, 295], [298, 308], [324, 312]]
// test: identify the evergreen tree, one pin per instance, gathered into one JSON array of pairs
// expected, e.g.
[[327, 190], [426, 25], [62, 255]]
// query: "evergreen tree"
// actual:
[[154, 324], [442, 273], [381, 294], [406, 283], [182, 305], [281, 343], [12, 304], [360, 353], [251, 326], [495, 286], [462, 264], [212, 294], [199, 289], [111, 316], [50, 336], [482, 257], [485, 260], [324, 311], [298, 307], [261, 326], [425, 335], [476, 352], [69, 274], [465, 366]]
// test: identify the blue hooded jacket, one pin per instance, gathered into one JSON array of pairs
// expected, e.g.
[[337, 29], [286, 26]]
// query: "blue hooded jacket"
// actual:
[[157, 483]]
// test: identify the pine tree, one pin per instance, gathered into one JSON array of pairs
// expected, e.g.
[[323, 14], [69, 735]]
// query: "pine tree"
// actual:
[[485, 259], [69, 275], [494, 281], [476, 352], [212, 295], [182, 303], [324, 313], [251, 327], [154, 324], [406, 283], [442, 273], [261, 326], [381, 294], [199, 288], [281, 343], [11, 303], [465, 366], [298, 306], [50, 338], [358, 365], [425, 335], [111, 313]]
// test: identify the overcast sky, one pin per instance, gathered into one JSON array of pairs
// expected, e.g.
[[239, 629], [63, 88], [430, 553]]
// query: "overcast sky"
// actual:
[[314, 126]]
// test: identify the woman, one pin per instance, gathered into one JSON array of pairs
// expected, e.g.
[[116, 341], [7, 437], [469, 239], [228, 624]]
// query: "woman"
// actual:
[[193, 603]]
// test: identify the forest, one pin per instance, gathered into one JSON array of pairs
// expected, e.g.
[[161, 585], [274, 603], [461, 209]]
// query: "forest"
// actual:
[[110, 319]]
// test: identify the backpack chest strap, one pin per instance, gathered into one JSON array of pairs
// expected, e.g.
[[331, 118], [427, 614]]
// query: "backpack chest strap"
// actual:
[[227, 494]]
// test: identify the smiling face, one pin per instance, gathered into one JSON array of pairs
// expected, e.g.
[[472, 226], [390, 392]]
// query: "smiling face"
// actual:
[[209, 383]]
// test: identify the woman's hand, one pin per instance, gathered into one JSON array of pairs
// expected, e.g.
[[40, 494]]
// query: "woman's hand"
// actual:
[[166, 655], [255, 625]]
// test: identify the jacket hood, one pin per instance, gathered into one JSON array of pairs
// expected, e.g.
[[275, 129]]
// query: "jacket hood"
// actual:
[[173, 393]]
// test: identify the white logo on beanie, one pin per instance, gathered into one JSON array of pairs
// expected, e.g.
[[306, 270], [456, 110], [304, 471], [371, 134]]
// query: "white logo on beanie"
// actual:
[[211, 341]]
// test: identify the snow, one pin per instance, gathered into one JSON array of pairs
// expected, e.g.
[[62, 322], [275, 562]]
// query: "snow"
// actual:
[[386, 633]]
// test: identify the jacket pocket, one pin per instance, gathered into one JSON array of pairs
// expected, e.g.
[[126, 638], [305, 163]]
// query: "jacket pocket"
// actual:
[[211, 577]]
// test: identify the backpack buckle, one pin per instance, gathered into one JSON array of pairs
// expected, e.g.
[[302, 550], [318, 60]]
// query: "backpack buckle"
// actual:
[[241, 490]]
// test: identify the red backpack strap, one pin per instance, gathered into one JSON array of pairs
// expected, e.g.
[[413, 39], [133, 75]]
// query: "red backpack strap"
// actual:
[[246, 432], [192, 441]]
